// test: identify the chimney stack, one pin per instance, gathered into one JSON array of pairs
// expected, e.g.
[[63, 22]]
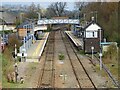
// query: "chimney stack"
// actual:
[[93, 19]]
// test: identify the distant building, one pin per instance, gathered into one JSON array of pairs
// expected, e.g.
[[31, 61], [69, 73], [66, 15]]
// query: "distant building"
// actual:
[[25, 29], [8, 20], [92, 34]]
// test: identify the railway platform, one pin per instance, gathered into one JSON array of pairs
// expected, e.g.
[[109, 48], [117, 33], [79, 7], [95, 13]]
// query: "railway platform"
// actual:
[[78, 42], [35, 52]]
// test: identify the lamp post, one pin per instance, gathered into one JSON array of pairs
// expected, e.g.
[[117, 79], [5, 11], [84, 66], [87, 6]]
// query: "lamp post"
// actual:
[[92, 48], [94, 13], [100, 61], [21, 17], [39, 17], [100, 52]]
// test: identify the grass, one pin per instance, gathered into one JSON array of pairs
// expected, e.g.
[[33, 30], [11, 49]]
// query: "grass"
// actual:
[[6, 31], [81, 52], [102, 73], [0, 67], [110, 60], [61, 56], [112, 65], [7, 67]]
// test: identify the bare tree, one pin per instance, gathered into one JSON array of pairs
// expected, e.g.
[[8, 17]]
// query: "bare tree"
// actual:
[[57, 8], [79, 6], [32, 9]]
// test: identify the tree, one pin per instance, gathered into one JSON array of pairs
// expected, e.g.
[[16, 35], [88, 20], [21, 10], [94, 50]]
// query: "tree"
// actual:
[[17, 21], [79, 6], [57, 9], [32, 11], [107, 18]]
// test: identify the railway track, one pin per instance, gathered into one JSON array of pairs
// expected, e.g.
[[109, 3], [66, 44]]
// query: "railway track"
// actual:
[[46, 79], [83, 79], [115, 82]]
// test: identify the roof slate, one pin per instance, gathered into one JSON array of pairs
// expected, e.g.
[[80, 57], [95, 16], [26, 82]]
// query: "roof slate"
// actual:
[[7, 17]]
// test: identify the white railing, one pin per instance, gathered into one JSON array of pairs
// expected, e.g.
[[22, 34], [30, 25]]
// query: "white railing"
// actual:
[[26, 45], [40, 28], [58, 21]]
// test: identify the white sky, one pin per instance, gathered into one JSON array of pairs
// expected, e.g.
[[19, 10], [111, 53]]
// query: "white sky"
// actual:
[[46, 3], [70, 5], [57, 0], [42, 0]]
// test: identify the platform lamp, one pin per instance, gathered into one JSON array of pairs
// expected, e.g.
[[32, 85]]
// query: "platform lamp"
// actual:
[[92, 48]]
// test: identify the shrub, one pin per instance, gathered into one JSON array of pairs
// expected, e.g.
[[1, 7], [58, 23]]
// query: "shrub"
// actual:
[[61, 56], [12, 41]]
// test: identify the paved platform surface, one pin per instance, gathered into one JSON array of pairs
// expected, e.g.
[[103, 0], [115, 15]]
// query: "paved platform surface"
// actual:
[[35, 51], [77, 41]]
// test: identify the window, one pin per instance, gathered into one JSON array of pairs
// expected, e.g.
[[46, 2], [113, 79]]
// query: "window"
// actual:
[[91, 34]]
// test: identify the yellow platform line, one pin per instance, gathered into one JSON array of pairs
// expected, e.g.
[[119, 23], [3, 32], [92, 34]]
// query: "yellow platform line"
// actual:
[[38, 48]]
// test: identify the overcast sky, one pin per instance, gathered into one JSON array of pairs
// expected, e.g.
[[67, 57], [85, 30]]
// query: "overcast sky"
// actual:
[[46, 3], [70, 5]]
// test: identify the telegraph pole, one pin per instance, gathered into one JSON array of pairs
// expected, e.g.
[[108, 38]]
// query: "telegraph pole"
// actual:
[[96, 15], [3, 31], [15, 53], [16, 72], [39, 16]]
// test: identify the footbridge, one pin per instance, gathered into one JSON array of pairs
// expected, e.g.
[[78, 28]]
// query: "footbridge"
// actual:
[[57, 21]]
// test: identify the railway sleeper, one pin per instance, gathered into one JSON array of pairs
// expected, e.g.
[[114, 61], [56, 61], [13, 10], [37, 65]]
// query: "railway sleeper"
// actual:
[[84, 78], [45, 86], [49, 69], [49, 60], [50, 52], [86, 84], [48, 64]]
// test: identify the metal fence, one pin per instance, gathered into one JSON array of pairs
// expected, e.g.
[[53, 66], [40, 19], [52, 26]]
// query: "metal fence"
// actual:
[[26, 45]]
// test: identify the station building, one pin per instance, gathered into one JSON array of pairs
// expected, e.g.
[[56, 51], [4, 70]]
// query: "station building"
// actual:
[[93, 36]]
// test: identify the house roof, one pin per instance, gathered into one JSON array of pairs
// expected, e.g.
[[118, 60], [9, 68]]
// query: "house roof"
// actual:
[[92, 26], [2, 22], [8, 17], [23, 24]]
